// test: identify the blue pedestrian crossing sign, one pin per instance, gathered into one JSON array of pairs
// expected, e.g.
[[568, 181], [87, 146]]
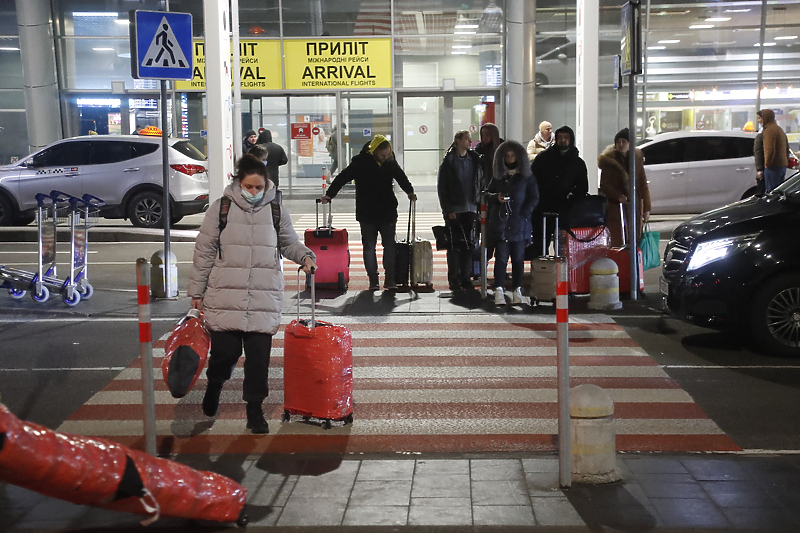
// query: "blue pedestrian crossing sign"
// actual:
[[161, 45]]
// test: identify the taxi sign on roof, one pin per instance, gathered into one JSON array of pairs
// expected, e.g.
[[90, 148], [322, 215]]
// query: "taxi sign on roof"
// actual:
[[150, 130], [161, 45]]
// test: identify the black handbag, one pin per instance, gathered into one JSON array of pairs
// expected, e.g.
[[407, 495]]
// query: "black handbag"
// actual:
[[442, 236], [586, 212], [451, 237]]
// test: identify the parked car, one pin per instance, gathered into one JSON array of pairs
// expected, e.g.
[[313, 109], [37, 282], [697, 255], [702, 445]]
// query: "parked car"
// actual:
[[740, 265], [123, 170]]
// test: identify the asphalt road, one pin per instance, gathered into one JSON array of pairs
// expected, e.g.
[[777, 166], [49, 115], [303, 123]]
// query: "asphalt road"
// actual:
[[51, 362]]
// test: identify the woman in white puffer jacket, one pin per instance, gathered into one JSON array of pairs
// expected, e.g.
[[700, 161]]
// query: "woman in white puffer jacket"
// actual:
[[237, 281]]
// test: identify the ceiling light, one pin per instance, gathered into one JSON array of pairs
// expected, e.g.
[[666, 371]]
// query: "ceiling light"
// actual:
[[669, 41], [737, 10], [103, 49], [124, 22], [700, 26], [467, 26], [93, 14], [718, 19], [765, 44], [463, 52], [8, 48], [656, 47], [464, 33], [786, 38]]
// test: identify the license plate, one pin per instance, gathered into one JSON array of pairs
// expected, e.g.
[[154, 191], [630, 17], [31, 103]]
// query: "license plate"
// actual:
[[663, 286]]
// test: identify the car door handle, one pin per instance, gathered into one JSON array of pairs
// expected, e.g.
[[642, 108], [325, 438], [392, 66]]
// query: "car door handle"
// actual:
[[677, 173], [743, 169], [132, 169], [71, 174]]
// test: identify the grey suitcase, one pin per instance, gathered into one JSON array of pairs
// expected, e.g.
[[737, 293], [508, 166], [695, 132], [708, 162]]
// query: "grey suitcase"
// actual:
[[543, 269]]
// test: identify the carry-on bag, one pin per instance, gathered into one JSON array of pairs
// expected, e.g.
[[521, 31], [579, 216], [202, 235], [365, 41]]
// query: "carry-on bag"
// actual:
[[543, 269], [332, 250], [622, 257], [413, 257], [584, 246], [317, 368], [186, 353]]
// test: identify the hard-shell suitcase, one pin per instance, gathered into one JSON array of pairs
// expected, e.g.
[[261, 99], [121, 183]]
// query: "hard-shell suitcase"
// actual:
[[622, 257], [414, 257], [332, 249], [317, 368], [543, 269], [583, 247]]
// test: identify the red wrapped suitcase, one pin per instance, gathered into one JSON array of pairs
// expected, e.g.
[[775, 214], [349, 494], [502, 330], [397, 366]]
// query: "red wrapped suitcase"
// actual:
[[333, 253], [317, 369], [584, 246], [186, 353], [622, 257]]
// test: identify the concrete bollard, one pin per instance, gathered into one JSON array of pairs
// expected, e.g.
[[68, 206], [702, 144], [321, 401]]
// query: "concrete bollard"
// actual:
[[157, 288], [604, 285], [594, 442]]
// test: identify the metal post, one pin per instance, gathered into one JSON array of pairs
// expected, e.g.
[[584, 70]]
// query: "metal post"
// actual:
[[483, 244], [237, 81], [146, 353], [165, 210], [633, 201], [760, 75], [562, 351]]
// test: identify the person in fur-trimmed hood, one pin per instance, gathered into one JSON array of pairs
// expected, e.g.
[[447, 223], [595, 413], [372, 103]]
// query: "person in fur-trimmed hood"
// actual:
[[511, 197], [614, 185]]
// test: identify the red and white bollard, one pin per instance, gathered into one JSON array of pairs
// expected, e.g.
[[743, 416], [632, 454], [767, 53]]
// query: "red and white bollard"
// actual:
[[562, 351], [146, 353]]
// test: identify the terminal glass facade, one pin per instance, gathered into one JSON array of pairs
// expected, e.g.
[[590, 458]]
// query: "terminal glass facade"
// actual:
[[446, 64]]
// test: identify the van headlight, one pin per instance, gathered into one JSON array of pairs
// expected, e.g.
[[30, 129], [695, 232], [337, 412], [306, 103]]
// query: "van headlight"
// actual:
[[708, 252]]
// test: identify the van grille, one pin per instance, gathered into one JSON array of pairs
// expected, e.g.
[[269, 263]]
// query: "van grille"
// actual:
[[676, 257]]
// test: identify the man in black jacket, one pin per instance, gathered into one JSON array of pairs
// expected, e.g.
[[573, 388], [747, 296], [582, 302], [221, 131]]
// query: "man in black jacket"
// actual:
[[276, 156], [374, 171], [562, 176]]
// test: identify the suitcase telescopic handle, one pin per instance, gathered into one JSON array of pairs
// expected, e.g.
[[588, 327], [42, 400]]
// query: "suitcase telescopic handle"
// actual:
[[411, 233], [544, 233], [313, 297], [622, 225], [330, 212]]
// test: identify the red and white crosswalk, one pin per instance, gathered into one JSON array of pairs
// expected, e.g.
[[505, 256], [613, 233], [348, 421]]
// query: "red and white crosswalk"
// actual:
[[471, 382]]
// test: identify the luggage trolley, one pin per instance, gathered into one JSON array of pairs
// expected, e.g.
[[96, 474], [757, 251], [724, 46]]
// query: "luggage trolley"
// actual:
[[83, 215], [17, 281]]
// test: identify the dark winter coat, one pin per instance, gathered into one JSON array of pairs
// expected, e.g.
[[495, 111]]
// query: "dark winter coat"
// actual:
[[376, 202], [775, 142], [276, 156], [560, 176], [448, 185], [486, 151], [511, 221], [614, 183]]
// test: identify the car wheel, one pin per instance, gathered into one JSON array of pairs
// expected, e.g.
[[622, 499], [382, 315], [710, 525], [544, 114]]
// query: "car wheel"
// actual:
[[775, 317], [6, 211], [144, 210]]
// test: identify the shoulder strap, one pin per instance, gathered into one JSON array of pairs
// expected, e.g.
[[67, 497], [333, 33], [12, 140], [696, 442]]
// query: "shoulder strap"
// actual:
[[276, 221], [224, 208]]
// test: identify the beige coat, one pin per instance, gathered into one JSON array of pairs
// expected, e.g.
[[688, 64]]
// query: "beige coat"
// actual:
[[243, 289], [614, 184]]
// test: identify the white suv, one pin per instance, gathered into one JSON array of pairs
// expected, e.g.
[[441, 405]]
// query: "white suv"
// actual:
[[696, 171], [122, 170]]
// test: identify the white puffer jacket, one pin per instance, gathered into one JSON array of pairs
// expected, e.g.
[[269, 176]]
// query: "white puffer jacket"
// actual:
[[243, 289]]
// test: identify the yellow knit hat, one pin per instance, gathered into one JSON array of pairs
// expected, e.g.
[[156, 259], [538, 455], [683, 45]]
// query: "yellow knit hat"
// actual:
[[377, 141]]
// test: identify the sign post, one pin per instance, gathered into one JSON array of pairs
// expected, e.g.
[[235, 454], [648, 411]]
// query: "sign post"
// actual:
[[161, 48]]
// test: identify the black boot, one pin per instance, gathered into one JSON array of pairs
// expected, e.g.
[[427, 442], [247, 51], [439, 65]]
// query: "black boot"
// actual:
[[211, 398], [255, 419]]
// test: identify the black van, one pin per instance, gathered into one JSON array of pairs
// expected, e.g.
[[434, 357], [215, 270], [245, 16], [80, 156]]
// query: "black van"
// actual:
[[740, 265]]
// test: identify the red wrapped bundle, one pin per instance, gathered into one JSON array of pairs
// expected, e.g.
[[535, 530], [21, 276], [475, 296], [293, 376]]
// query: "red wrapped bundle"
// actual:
[[186, 353]]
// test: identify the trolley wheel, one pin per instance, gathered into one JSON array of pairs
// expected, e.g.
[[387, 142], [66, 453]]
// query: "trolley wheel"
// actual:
[[326, 424], [243, 519], [17, 294], [87, 292], [348, 419], [75, 300], [285, 417], [342, 284], [41, 297]]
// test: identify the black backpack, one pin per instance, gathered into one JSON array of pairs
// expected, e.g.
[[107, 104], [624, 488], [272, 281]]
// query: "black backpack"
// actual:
[[225, 207]]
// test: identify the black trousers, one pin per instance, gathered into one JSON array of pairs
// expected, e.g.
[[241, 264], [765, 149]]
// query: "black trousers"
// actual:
[[460, 258], [226, 348]]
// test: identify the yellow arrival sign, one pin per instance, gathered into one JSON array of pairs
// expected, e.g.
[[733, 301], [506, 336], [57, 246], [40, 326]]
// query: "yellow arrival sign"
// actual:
[[338, 63], [260, 66]]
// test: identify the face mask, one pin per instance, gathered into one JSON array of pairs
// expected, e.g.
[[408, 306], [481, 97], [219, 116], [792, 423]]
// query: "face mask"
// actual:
[[511, 166], [252, 199]]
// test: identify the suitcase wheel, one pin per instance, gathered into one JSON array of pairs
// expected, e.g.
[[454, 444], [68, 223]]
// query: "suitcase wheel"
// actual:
[[243, 519], [285, 417], [348, 419], [342, 282], [326, 424]]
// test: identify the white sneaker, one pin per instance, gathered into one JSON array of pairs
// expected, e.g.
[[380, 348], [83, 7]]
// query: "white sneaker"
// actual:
[[516, 297], [499, 296]]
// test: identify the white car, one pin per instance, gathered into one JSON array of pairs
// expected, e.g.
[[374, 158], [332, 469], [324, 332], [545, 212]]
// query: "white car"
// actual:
[[123, 170], [696, 171]]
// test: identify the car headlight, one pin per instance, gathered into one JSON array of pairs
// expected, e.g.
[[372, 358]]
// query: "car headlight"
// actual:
[[708, 252]]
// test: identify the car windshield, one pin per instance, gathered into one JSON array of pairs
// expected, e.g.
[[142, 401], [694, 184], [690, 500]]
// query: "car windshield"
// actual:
[[186, 148], [791, 185]]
